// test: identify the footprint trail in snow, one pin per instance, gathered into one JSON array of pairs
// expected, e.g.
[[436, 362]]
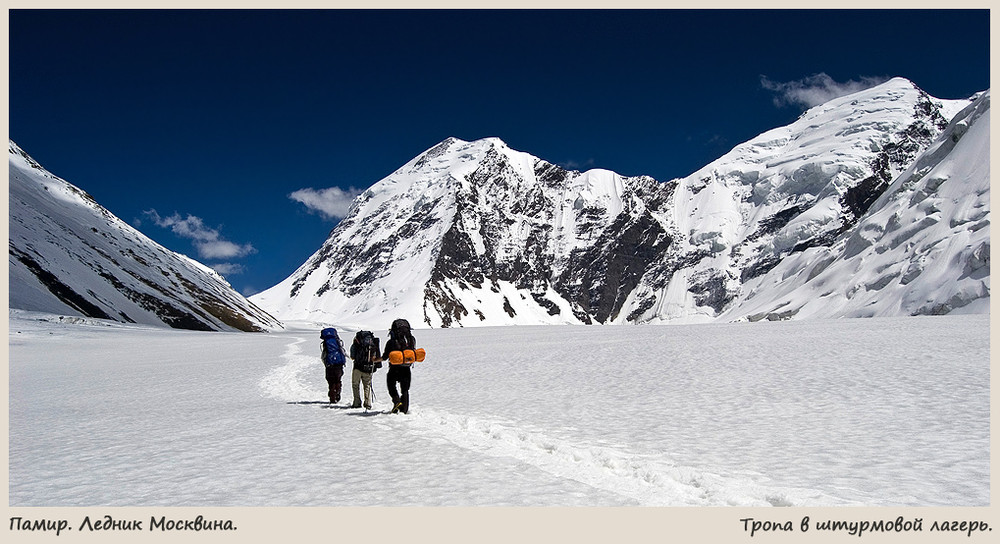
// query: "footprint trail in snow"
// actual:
[[286, 382], [648, 479]]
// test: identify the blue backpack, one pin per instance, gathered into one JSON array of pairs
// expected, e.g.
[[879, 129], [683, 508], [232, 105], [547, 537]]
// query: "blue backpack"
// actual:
[[333, 351]]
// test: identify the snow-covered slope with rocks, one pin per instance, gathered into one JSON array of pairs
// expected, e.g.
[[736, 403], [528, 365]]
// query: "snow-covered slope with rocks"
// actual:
[[472, 233], [923, 249], [69, 255], [476, 233], [804, 187]]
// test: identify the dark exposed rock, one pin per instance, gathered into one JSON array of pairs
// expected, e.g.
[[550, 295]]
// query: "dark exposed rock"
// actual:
[[552, 307], [457, 258], [437, 296], [62, 291], [508, 308], [824, 240], [600, 278], [776, 222], [760, 267], [550, 175], [711, 290]]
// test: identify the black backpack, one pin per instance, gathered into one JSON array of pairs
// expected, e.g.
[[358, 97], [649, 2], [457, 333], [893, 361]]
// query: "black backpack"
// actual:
[[365, 352], [400, 332]]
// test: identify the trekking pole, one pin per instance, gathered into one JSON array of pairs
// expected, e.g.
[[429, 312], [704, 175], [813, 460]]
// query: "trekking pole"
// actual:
[[371, 391], [371, 378]]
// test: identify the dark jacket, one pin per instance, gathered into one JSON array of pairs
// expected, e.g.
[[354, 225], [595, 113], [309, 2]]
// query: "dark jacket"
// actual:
[[399, 375]]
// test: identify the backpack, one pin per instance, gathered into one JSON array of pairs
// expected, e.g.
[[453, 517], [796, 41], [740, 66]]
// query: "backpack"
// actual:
[[400, 331], [407, 351], [365, 352], [332, 350]]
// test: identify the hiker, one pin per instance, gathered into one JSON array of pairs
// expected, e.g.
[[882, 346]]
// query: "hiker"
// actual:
[[365, 354], [400, 339], [333, 360]]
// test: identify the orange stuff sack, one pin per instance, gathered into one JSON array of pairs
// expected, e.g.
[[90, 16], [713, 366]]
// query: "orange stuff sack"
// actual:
[[407, 356], [395, 357]]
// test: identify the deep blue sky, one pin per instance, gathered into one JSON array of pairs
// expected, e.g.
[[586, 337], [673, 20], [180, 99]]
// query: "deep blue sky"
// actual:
[[219, 116]]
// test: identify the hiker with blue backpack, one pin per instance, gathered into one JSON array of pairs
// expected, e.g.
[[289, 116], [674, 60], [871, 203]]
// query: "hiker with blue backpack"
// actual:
[[334, 360]]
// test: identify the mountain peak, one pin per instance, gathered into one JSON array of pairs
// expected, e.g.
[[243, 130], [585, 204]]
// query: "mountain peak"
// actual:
[[481, 143], [476, 233]]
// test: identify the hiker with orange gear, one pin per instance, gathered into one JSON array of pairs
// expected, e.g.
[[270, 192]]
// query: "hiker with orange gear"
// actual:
[[400, 342]]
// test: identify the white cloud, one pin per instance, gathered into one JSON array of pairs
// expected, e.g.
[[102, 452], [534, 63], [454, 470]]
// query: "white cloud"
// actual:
[[228, 269], [223, 249], [207, 241], [332, 203], [815, 89]]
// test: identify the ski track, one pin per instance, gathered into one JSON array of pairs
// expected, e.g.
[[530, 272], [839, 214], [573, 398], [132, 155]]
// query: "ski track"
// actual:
[[649, 479]]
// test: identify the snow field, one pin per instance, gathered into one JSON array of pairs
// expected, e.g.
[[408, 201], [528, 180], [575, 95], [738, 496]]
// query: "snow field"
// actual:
[[808, 413]]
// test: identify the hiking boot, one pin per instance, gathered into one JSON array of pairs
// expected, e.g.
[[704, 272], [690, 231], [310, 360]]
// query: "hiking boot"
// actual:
[[396, 407], [358, 405]]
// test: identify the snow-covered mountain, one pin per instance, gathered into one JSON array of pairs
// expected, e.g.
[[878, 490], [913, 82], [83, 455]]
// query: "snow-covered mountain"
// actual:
[[762, 222], [923, 247], [471, 233], [69, 255], [872, 204]]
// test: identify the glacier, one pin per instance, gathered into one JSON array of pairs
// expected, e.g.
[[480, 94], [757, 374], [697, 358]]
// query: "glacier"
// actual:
[[891, 412]]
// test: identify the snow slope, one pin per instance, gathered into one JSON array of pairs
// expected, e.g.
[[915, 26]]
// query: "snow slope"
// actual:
[[885, 411], [70, 255], [924, 248]]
